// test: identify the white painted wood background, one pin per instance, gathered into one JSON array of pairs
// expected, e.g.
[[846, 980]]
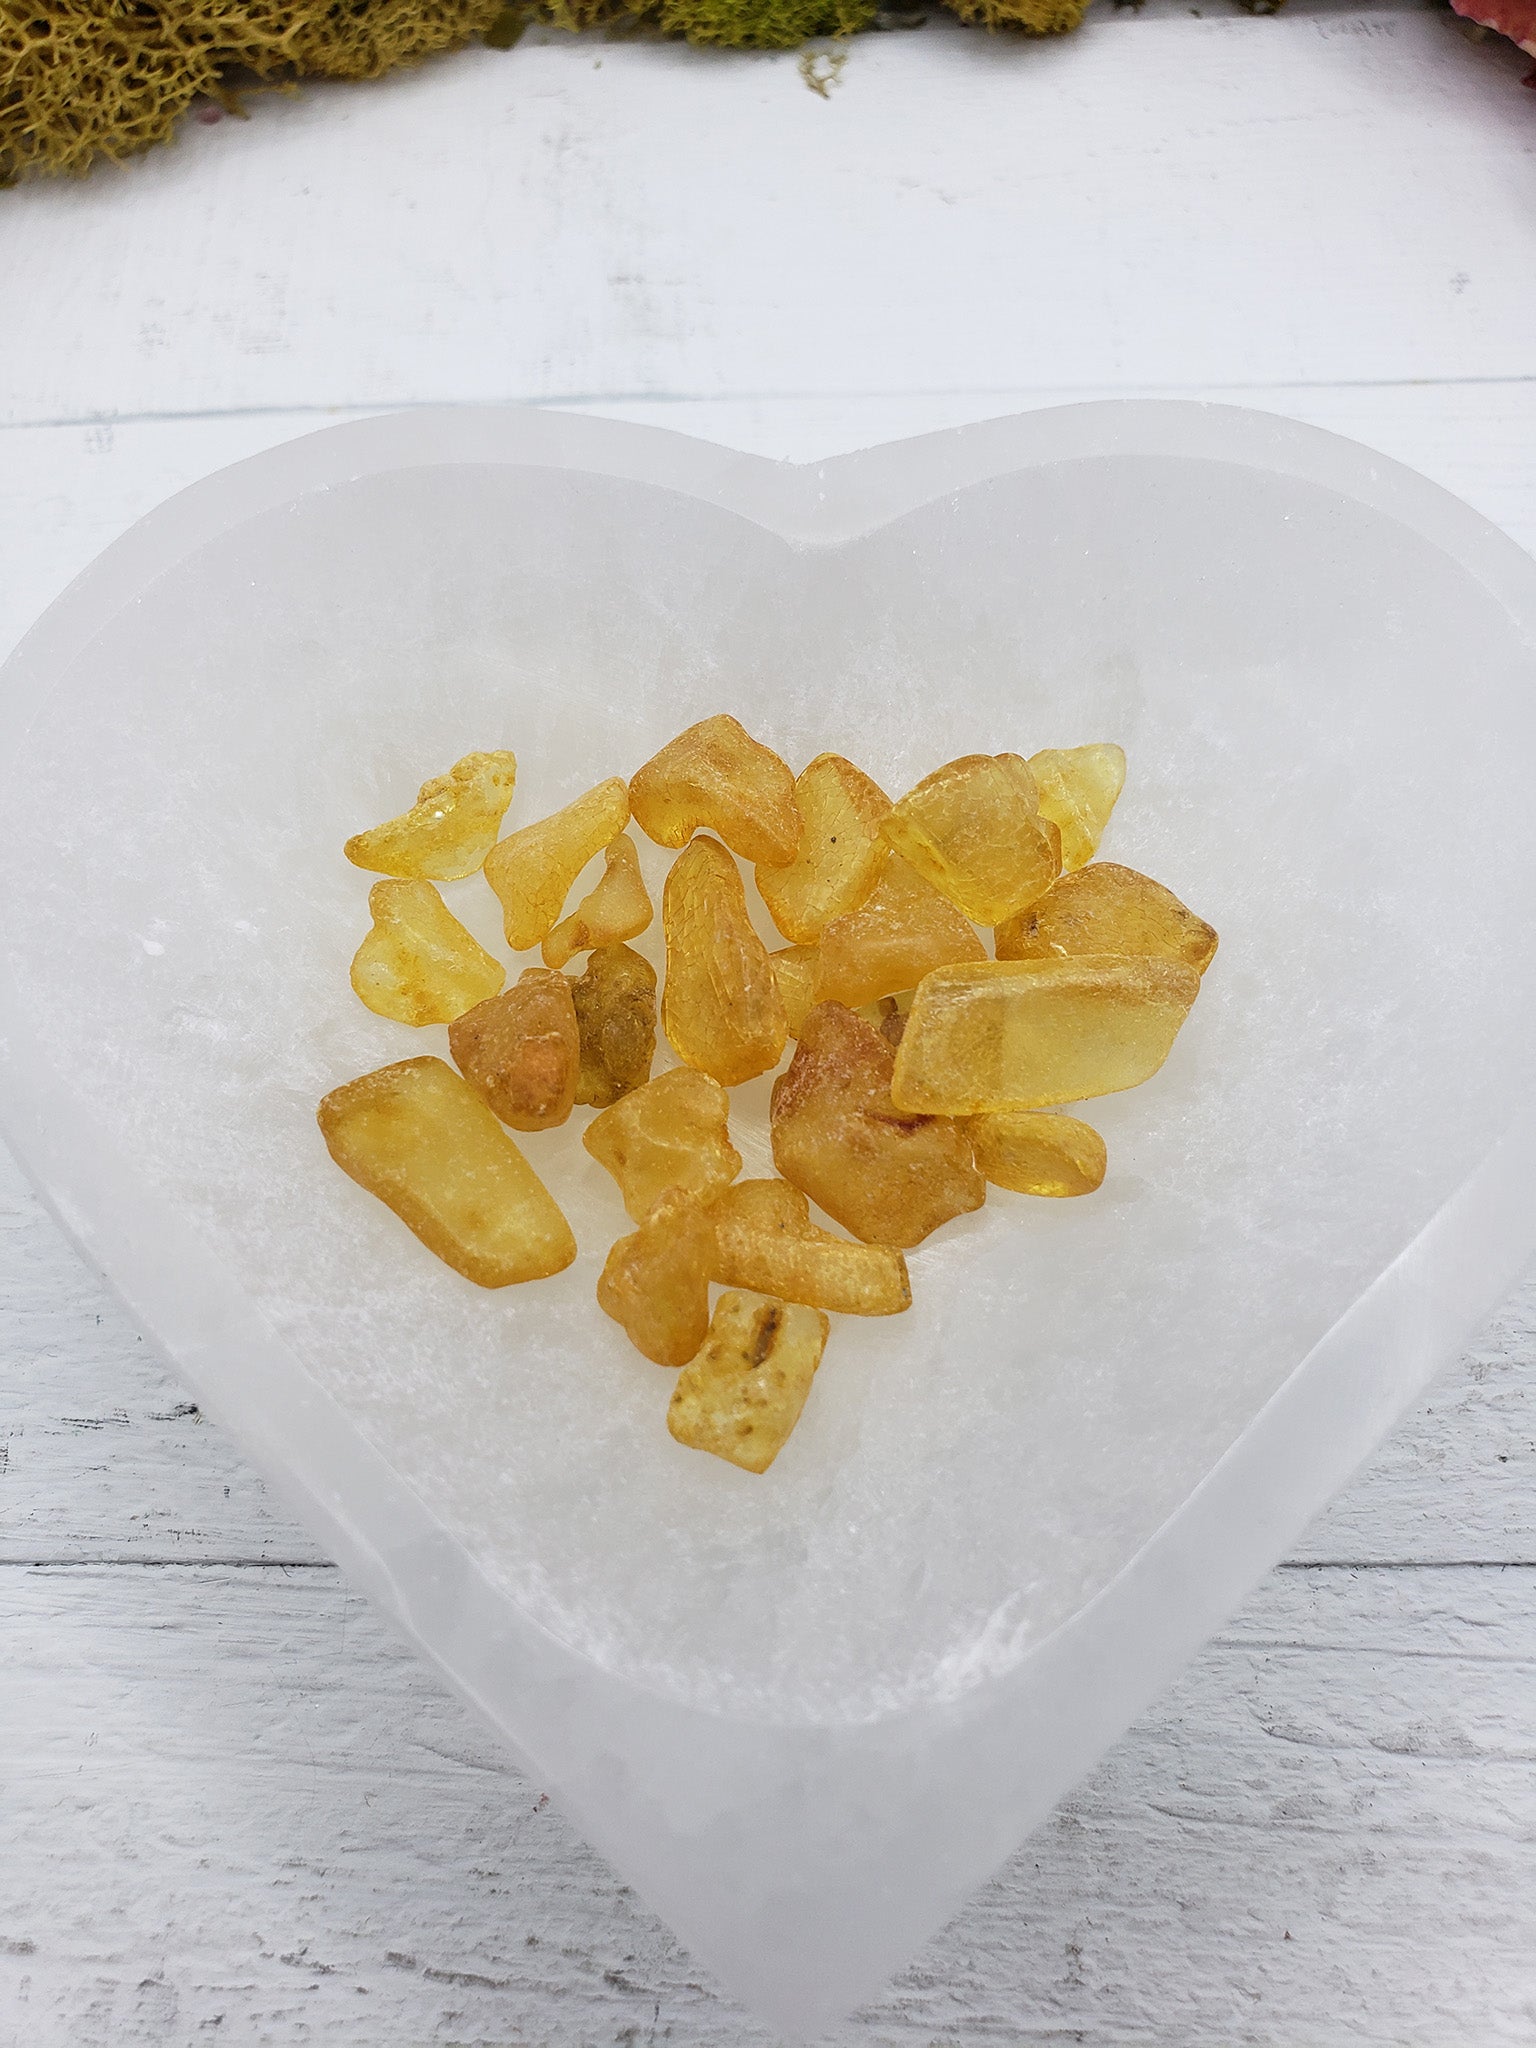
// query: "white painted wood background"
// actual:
[[232, 1806]]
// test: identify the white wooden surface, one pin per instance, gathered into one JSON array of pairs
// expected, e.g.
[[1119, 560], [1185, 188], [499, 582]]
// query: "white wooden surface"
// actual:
[[234, 1807]]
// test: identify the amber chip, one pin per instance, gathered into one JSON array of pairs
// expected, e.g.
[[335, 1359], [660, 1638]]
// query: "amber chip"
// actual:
[[765, 1240], [743, 1394], [888, 1177], [720, 1005], [672, 1133], [841, 852], [532, 870], [1079, 787], [419, 965], [616, 1020], [1024, 1034], [972, 829], [522, 1051], [449, 829], [794, 969], [1108, 909], [656, 1281], [716, 778], [618, 908], [901, 932], [1037, 1152], [418, 1136]]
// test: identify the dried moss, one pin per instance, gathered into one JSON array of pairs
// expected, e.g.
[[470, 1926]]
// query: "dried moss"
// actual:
[[86, 79]]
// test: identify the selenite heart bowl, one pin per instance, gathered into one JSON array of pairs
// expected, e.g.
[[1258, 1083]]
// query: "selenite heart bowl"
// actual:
[[804, 1713]]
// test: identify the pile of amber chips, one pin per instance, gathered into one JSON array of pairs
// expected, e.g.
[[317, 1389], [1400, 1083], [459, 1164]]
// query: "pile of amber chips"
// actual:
[[925, 1065]]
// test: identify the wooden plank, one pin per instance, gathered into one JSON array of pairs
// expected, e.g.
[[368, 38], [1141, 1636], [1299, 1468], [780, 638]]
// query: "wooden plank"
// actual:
[[1174, 200], [236, 1806]]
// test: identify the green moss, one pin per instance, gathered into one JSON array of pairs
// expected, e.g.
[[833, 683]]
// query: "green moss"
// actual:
[[762, 24]]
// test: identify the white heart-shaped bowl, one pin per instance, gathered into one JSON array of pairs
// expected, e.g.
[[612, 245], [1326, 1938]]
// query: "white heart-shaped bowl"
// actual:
[[804, 1713]]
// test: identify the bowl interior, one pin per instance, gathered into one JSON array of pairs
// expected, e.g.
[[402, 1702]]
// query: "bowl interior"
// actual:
[[1330, 738]]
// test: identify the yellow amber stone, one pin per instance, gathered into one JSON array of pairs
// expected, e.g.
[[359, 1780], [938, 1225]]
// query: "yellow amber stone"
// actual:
[[888, 1177], [449, 829], [1024, 1034], [1108, 909], [1079, 787], [841, 851], [1037, 1152], [618, 908], [743, 1394], [765, 1240], [794, 969], [971, 829], [656, 1281], [720, 1004], [672, 1133], [616, 1021], [716, 778], [419, 1137], [522, 1050], [901, 932], [532, 870], [418, 965]]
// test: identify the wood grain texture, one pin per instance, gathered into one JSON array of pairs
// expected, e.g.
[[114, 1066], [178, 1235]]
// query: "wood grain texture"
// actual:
[[1336, 195], [238, 1809]]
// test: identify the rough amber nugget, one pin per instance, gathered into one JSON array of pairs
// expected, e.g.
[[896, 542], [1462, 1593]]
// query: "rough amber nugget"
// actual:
[[743, 1394], [672, 1133], [618, 908], [888, 1177], [716, 778], [656, 1281], [1108, 909], [973, 830], [419, 1137], [522, 1051], [1036, 1152], [532, 870], [841, 851], [418, 964], [449, 829], [720, 1004], [1023, 1034], [903, 931], [1079, 787], [794, 969], [765, 1240], [616, 1020]]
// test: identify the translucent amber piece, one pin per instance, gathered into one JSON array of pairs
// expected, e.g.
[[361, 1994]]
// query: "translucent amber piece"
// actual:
[[888, 1177], [841, 851], [672, 1133], [765, 1240], [716, 778], [1108, 909], [1023, 1034], [1078, 788], [656, 1281], [743, 1394], [972, 830], [1036, 1152], [720, 1005], [418, 964], [889, 1016], [794, 969], [903, 931], [618, 908], [419, 1137], [449, 829], [616, 1019], [532, 870], [522, 1051]]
